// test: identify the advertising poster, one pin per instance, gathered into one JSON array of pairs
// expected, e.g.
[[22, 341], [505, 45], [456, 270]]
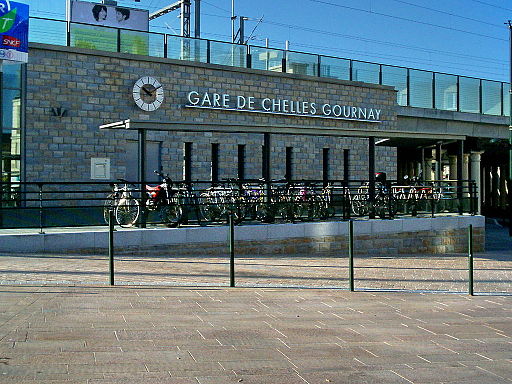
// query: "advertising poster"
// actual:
[[95, 26], [14, 31]]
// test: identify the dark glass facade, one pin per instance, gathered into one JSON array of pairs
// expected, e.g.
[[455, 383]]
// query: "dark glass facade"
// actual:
[[12, 122]]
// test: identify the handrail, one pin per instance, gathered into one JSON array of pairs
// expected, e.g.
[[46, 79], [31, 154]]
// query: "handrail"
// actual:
[[478, 95]]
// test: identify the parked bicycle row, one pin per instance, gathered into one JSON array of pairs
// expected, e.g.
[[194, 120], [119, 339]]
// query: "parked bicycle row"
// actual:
[[172, 203], [268, 201]]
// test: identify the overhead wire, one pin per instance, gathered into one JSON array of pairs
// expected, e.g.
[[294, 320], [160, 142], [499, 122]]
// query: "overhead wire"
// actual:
[[448, 13], [405, 19], [492, 5]]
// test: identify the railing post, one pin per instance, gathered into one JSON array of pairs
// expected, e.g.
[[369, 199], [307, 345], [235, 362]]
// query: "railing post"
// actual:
[[118, 40], [231, 250], [470, 259], [166, 48], [471, 187], [68, 34], [111, 244], [432, 200], [41, 213], [351, 255], [391, 202], [345, 196]]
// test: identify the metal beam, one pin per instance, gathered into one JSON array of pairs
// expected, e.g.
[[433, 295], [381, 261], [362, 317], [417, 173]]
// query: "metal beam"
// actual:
[[185, 18], [197, 19], [165, 10]]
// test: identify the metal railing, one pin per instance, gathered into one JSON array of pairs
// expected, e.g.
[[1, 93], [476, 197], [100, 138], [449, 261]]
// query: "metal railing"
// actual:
[[416, 88], [53, 204]]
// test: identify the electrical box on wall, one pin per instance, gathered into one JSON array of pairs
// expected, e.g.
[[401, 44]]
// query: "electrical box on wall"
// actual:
[[100, 168]]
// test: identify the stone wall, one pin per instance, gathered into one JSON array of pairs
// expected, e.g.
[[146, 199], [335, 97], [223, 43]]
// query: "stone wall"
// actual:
[[95, 89]]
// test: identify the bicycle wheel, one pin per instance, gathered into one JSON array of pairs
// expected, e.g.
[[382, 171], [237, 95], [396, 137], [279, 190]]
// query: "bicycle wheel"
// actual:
[[359, 206], [108, 205], [171, 214], [209, 208], [127, 212]]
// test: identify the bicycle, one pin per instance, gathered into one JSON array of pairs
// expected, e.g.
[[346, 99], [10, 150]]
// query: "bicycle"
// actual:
[[125, 206], [162, 198]]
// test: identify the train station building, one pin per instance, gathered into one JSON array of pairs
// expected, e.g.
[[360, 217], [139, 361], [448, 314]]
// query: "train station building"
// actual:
[[208, 110]]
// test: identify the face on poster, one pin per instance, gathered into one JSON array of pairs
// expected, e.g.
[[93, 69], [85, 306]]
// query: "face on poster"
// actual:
[[109, 16]]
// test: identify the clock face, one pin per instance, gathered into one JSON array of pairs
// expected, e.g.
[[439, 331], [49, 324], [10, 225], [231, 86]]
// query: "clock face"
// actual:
[[148, 93]]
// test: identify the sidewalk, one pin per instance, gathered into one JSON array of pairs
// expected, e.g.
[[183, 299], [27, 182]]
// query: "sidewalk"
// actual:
[[61, 323], [100, 335]]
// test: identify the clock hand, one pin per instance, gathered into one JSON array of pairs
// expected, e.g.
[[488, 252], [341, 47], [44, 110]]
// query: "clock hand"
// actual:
[[154, 91], [146, 91]]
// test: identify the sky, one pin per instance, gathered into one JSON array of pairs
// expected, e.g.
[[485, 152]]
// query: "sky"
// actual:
[[463, 37]]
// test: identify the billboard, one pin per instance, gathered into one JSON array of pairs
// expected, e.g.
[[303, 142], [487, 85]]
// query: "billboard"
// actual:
[[13, 31], [94, 26], [109, 16]]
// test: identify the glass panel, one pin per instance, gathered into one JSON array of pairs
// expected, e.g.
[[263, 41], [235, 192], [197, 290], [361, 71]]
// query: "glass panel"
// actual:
[[267, 59], [47, 31], [469, 98], [186, 48], [11, 75], [11, 141], [11, 109], [396, 77], [142, 43], [506, 99], [302, 63], [94, 37], [366, 72], [446, 92], [234, 55], [421, 88], [491, 97], [335, 68]]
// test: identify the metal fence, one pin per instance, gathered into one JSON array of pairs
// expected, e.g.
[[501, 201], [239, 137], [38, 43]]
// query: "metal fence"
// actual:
[[53, 204], [416, 88]]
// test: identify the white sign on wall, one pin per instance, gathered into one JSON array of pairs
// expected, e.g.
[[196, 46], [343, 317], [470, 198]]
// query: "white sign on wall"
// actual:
[[100, 168]]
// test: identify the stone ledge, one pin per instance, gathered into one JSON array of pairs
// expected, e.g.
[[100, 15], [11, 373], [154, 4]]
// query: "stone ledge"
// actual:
[[405, 235]]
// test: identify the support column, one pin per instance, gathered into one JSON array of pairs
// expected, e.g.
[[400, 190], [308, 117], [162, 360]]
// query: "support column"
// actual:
[[142, 174], [453, 167], [503, 189], [266, 166], [476, 158], [371, 174], [465, 173], [346, 165], [427, 169], [266, 157], [439, 162], [460, 185]]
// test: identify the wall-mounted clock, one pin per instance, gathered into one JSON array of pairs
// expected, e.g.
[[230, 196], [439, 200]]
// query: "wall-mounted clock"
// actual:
[[148, 93]]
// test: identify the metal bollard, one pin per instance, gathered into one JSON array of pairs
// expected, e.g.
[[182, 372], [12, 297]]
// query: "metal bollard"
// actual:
[[470, 260], [231, 250], [41, 213], [111, 244], [351, 255]]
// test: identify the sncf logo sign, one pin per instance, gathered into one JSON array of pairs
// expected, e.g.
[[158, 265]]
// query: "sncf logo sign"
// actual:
[[10, 41]]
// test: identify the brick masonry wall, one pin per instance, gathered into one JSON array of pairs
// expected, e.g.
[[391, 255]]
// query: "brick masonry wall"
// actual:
[[95, 89]]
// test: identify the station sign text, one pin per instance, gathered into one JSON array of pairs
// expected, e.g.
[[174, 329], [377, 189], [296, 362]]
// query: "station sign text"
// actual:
[[207, 100]]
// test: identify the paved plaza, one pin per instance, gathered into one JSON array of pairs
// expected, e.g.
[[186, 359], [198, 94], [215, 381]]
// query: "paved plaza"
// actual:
[[210, 335], [174, 320]]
